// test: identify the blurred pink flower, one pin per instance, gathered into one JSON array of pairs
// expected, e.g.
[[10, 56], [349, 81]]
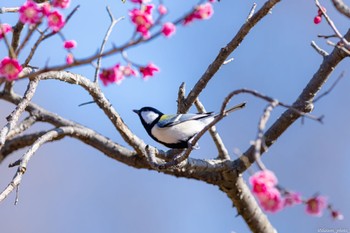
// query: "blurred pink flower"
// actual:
[[61, 3], [29, 12], [203, 11], [292, 198], [168, 29], [10, 68], [55, 20], [336, 215], [69, 44], [261, 181], [142, 19], [111, 75], [45, 8], [162, 9], [128, 71], [4, 29], [271, 200], [69, 58], [316, 205], [148, 70]]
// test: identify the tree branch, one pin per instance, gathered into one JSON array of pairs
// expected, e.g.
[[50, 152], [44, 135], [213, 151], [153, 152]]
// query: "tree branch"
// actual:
[[225, 52]]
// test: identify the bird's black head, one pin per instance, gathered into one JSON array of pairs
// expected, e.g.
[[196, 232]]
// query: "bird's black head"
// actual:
[[148, 116]]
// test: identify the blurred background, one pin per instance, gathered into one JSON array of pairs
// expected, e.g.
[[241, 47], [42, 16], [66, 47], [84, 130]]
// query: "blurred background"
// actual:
[[70, 187]]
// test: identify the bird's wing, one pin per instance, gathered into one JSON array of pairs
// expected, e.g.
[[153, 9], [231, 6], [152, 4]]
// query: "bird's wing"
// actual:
[[170, 120]]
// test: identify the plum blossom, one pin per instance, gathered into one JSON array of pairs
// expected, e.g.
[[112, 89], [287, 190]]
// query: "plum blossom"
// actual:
[[127, 70], [148, 70], [336, 215], [168, 29], [69, 59], [162, 9], [292, 198], [69, 44], [4, 29], [111, 75], [316, 205], [10, 68], [271, 200], [61, 3], [29, 12], [142, 19], [261, 181], [55, 20], [45, 9], [201, 12]]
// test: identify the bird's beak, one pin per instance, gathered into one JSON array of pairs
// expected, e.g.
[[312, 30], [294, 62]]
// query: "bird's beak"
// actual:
[[136, 111]]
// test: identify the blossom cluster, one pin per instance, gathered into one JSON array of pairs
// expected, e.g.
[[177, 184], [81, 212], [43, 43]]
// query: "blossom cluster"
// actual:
[[32, 13], [265, 187], [117, 73]]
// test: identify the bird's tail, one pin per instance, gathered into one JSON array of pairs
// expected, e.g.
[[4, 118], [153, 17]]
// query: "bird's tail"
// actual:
[[237, 107]]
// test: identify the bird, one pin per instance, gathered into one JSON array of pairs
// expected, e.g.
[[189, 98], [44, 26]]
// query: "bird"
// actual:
[[176, 130]]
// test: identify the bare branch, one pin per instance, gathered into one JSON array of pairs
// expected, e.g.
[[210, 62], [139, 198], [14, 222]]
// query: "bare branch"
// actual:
[[320, 51], [24, 125], [105, 39], [260, 137], [303, 103], [252, 11], [225, 52], [331, 24], [14, 116], [342, 7], [223, 153], [330, 89]]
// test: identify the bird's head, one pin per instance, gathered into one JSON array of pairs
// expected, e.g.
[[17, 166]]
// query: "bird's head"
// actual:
[[148, 115]]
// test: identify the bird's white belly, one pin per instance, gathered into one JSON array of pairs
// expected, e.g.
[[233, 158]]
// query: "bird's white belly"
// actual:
[[179, 132]]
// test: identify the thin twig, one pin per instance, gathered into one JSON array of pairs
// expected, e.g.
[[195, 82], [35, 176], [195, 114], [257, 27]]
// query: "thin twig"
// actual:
[[320, 51], [331, 24], [105, 39], [14, 116], [331, 88], [24, 125], [260, 136], [222, 151], [23, 162], [252, 11]]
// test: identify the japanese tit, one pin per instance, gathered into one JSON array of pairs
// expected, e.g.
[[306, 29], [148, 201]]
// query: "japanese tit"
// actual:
[[176, 131]]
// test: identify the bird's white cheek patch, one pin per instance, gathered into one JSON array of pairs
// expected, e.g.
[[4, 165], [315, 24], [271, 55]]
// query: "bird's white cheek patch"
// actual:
[[149, 116]]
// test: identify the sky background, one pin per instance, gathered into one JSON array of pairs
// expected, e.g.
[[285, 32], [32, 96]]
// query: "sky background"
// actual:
[[70, 187]]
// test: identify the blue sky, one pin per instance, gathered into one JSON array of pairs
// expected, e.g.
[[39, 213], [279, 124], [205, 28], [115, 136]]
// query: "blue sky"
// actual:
[[70, 187]]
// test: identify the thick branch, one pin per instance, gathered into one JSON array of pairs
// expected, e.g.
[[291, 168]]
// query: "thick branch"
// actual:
[[303, 103]]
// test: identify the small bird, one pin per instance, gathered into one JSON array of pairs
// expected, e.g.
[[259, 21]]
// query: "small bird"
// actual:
[[177, 130]]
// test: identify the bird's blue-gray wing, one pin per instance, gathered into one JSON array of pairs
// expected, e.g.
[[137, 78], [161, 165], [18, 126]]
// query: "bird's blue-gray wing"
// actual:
[[170, 120]]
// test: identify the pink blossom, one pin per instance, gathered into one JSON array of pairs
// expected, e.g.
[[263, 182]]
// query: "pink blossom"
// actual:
[[128, 71], [69, 59], [336, 215], [168, 29], [10, 68], [29, 12], [45, 9], [261, 181], [162, 9], [4, 29], [292, 198], [61, 3], [111, 75], [271, 200], [142, 19], [201, 12], [69, 44], [148, 70], [204, 11], [316, 205], [55, 20], [137, 1]]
